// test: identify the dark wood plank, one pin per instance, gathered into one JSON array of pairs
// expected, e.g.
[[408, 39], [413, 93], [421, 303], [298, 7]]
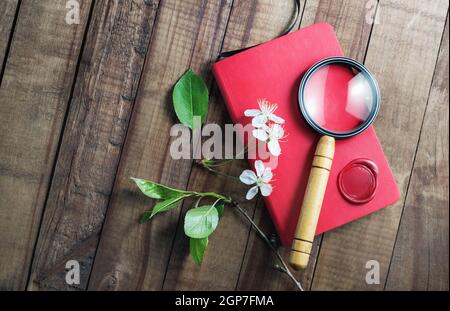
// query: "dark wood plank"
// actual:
[[402, 54], [132, 256], [35, 90], [112, 62], [8, 10], [251, 22], [420, 259], [348, 20]]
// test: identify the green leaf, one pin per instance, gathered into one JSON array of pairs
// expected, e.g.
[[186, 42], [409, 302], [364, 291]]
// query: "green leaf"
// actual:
[[200, 222], [160, 207], [197, 249], [157, 191], [190, 98], [220, 207], [207, 162]]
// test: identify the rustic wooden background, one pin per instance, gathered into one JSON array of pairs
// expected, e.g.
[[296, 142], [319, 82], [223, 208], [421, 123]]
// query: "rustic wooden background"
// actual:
[[84, 107]]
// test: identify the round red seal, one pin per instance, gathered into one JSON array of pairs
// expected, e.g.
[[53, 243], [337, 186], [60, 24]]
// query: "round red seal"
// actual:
[[358, 181]]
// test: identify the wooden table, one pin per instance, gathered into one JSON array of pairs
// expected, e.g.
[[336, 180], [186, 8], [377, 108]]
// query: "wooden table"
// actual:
[[85, 106]]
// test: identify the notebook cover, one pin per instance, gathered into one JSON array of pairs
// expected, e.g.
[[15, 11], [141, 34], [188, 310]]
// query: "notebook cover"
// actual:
[[273, 70]]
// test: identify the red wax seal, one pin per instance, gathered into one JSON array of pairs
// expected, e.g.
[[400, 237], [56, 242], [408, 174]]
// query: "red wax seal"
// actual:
[[358, 181]]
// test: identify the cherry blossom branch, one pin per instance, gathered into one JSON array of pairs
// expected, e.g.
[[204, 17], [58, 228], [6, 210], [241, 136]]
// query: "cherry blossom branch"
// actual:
[[284, 266]]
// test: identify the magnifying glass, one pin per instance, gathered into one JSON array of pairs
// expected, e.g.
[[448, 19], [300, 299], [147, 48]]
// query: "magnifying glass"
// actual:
[[339, 98]]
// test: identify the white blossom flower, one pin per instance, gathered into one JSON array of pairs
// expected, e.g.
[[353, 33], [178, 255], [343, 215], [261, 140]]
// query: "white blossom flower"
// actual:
[[264, 114], [270, 134], [260, 180]]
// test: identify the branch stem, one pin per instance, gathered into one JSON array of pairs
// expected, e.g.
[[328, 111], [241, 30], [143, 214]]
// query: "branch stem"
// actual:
[[212, 195]]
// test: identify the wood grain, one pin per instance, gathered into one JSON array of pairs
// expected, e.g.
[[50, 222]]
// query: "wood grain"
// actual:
[[68, 175], [8, 10], [251, 22], [420, 258], [402, 53], [348, 20], [258, 272], [36, 86], [112, 62], [132, 256]]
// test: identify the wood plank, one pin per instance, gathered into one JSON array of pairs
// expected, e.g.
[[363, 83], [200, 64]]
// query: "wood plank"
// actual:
[[112, 62], [420, 259], [35, 90], [348, 20], [251, 22], [402, 54], [132, 256], [8, 10]]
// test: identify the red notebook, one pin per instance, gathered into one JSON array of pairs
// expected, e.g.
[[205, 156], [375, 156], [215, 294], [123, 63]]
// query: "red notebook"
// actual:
[[273, 71]]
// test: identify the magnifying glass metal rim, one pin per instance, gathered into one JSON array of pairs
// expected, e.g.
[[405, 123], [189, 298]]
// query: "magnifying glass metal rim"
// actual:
[[370, 79]]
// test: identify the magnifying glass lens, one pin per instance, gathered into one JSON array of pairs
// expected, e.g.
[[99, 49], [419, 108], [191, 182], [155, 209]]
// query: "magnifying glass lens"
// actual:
[[338, 98]]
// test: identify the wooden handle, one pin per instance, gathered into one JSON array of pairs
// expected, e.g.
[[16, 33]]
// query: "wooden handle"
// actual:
[[312, 203]]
